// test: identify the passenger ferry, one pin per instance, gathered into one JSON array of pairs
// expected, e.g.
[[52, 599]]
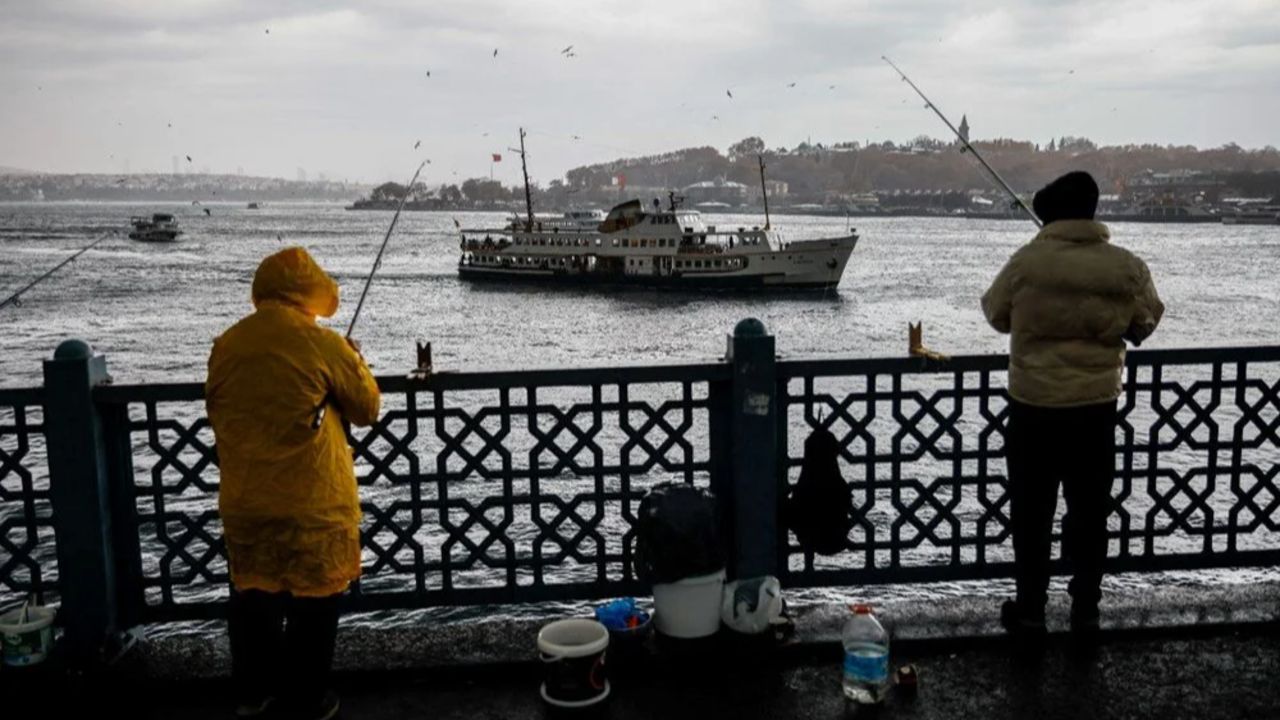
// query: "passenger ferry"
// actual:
[[651, 246], [648, 246]]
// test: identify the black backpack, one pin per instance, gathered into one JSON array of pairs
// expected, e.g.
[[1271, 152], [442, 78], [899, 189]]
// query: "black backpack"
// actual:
[[820, 509], [677, 534]]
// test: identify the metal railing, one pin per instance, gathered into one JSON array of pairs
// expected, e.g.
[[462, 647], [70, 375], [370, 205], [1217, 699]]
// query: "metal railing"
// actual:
[[524, 486]]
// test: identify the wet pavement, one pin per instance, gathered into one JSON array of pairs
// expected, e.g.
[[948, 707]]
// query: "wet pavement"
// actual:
[[1204, 654]]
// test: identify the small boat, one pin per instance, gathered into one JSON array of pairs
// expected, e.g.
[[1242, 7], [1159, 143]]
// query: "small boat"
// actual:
[[254, 206], [160, 227]]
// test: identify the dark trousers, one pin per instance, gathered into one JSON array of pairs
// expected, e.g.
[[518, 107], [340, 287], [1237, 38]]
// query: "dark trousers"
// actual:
[[1074, 447], [281, 645]]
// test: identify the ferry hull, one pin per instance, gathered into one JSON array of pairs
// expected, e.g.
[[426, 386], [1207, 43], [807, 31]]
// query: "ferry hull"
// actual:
[[721, 282]]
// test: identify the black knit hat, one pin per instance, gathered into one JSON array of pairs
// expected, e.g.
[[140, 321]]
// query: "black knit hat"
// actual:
[[1073, 196]]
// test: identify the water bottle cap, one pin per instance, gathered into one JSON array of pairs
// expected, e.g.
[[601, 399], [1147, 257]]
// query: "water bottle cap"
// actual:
[[861, 608]]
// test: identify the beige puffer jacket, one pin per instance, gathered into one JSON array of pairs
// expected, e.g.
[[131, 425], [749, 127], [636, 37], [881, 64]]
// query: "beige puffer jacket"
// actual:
[[1070, 299]]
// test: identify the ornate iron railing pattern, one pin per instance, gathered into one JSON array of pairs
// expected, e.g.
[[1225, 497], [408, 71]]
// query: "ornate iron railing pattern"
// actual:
[[28, 554], [476, 488], [523, 486], [1198, 454]]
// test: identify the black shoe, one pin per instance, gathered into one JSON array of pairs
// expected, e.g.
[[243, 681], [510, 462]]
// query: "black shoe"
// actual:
[[1017, 621], [1084, 617], [325, 708], [254, 707]]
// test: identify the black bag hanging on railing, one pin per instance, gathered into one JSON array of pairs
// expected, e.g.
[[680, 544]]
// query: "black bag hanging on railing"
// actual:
[[820, 509]]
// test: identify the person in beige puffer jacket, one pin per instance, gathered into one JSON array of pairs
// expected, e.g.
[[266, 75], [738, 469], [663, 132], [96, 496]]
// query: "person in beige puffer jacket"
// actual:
[[1069, 300]]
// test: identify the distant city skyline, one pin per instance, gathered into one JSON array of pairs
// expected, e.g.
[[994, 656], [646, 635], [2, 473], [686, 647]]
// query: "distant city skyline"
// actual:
[[283, 88]]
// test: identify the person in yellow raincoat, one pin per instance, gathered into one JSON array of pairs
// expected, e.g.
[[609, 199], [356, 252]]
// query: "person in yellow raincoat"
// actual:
[[288, 498]]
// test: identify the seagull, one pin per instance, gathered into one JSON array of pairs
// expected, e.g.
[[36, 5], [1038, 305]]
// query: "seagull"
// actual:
[[495, 52], [188, 158], [268, 31], [169, 124], [831, 87], [791, 84], [715, 117], [1071, 72], [279, 238], [206, 211], [566, 50], [577, 137], [726, 92], [428, 73], [415, 145]]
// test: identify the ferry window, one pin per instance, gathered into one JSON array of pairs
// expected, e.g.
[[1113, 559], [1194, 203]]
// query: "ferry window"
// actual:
[[615, 242], [598, 242], [626, 242]]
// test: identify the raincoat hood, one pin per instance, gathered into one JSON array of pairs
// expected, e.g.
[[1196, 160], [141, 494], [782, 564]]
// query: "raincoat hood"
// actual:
[[293, 277]]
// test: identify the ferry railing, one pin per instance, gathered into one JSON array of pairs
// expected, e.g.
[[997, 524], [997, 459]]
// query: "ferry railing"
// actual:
[[523, 486]]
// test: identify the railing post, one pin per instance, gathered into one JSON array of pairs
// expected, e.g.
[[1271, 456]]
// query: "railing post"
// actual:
[[754, 436], [80, 495]]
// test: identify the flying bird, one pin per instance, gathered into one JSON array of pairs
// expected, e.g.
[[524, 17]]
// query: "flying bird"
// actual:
[[577, 137], [791, 84], [206, 211], [428, 73], [279, 238], [566, 50], [120, 181], [1071, 72], [831, 87], [268, 31], [715, 117], [495, 52], [169, 124], [415, 145], [726, 92], [188, 158]]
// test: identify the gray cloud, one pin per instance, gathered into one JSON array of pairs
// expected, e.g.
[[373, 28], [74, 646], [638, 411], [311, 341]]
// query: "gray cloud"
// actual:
[[342, 87]]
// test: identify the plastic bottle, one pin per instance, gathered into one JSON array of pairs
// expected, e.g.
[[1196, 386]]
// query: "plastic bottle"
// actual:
[[866, 656]]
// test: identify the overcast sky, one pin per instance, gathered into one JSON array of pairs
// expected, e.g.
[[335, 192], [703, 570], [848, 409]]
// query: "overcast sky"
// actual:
[[341, 88]]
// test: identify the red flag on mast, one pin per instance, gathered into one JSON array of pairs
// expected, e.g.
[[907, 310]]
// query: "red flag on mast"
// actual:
[[497, 157]]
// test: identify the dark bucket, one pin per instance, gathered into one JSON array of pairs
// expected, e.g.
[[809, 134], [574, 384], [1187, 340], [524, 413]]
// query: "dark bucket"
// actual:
[[573, 660]]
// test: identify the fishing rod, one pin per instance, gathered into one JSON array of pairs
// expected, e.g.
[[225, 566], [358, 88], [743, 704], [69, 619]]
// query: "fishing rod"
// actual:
[[318, 417], [967, 146], [16, 298], [377, 262]]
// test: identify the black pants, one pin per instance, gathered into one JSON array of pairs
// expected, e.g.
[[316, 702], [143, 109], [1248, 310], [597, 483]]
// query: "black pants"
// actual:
[[1074, 447], [281, 645]]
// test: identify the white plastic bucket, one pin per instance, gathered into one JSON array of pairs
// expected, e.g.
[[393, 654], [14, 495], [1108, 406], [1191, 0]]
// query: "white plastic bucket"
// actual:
[[689, 608], [573, 657], [27, 643]]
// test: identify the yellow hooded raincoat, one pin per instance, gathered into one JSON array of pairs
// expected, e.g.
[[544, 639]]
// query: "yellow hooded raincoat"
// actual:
[[289, 503]]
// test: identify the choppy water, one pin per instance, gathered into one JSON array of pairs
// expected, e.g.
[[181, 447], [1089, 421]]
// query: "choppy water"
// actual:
[[154, 309]]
